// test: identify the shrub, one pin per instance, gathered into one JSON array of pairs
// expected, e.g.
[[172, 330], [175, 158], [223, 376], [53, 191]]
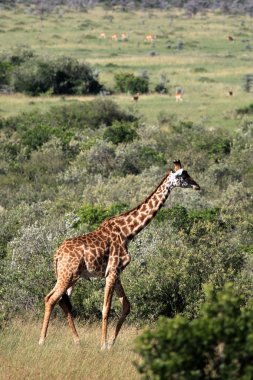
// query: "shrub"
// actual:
[[94, 215], [120, 132], [183, 219], [137, 157], [127, 82], [169, 269], [60, 76], [36, 137], [72, 77], [33, 77], [248, 110], [217, 345], [19, 55], [35, 128], [5, 73], [162, 87]]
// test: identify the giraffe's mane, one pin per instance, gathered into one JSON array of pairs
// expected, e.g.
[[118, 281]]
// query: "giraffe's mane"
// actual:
[[125, 213]]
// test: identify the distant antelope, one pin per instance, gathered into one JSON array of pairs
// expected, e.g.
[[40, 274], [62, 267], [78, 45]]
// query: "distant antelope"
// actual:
[[124, 37], [230, 38], [230, 92], [149, 38], [136, 97], [102, 35], [114, 37], [179, 95]]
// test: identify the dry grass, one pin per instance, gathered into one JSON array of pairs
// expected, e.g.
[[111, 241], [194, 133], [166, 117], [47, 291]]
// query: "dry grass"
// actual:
[[22, 358]]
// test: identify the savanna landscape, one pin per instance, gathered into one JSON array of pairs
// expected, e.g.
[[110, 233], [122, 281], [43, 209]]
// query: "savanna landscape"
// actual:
[[96, 101]]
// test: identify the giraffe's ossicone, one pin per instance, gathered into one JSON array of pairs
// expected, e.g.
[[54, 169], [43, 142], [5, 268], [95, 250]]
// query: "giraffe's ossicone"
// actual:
[[103, 253]]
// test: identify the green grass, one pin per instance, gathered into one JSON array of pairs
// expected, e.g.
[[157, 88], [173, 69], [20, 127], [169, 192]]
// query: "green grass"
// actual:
[[22, 358], [207, 67]]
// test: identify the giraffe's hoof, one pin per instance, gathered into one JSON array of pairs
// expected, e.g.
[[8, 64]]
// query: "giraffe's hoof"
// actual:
[[77, 341], [110, 344], [41, 341], [103, 347]]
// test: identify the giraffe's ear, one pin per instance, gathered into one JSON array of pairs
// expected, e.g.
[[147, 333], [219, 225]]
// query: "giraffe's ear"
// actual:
[[177, 165]]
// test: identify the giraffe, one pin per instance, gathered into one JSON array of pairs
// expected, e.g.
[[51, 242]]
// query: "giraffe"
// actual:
[[103, 253]]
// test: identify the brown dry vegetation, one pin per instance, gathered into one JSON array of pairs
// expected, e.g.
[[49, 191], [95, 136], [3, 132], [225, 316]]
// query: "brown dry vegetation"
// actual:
[[21, 358]]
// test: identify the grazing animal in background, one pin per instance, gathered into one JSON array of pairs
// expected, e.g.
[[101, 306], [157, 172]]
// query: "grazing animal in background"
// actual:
[[136, 97], [149, 38], [230, 92], [114, 37], [179, 94], [124, 37], [102, 35], [230, 38], [103, 253]]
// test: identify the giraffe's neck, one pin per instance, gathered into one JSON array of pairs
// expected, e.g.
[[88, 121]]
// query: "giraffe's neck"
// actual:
[[135, 220]]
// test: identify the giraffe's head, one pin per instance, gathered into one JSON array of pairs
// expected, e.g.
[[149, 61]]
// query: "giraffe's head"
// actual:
[[180, 177]]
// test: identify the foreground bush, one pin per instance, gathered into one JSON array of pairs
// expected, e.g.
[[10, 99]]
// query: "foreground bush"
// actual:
[[217, 345]]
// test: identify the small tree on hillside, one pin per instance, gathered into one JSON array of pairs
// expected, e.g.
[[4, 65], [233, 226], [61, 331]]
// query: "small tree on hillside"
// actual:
[[128, 82]]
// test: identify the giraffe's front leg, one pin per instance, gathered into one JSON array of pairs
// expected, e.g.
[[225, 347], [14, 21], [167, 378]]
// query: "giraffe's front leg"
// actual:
[[109, 288]]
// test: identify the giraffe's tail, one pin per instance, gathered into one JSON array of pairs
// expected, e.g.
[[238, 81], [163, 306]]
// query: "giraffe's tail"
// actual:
[[49, 294], [55, 265], [55, 270]]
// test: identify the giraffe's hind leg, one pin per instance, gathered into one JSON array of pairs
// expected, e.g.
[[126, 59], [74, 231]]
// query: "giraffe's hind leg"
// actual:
[[50, 300], [67, 308], [125, 309]]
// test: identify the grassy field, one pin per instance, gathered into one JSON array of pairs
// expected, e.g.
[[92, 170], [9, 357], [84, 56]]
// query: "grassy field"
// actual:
[[22, 358], [206, 66]]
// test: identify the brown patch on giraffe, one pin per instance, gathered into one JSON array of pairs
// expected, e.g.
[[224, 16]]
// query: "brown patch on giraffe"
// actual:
[[121, 222], [135, 223], [143, 207], [142, 218], [129, 220], [125, 230], [150, 204]]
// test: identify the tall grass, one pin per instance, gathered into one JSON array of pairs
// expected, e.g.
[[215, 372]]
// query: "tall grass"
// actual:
[[21, 358]]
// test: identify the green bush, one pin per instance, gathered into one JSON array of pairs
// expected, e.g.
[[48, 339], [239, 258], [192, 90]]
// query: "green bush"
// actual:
[[120, 132], [5, 73], [183, 219], [127, 82], [32, 77], [36, 137], [59, 76], [19, 55], [94, 215], [217, 345], [248, 110], [64, 122]]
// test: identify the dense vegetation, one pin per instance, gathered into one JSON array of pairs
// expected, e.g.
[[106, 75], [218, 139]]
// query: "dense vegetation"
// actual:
[[72, 166], [217, 345]]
